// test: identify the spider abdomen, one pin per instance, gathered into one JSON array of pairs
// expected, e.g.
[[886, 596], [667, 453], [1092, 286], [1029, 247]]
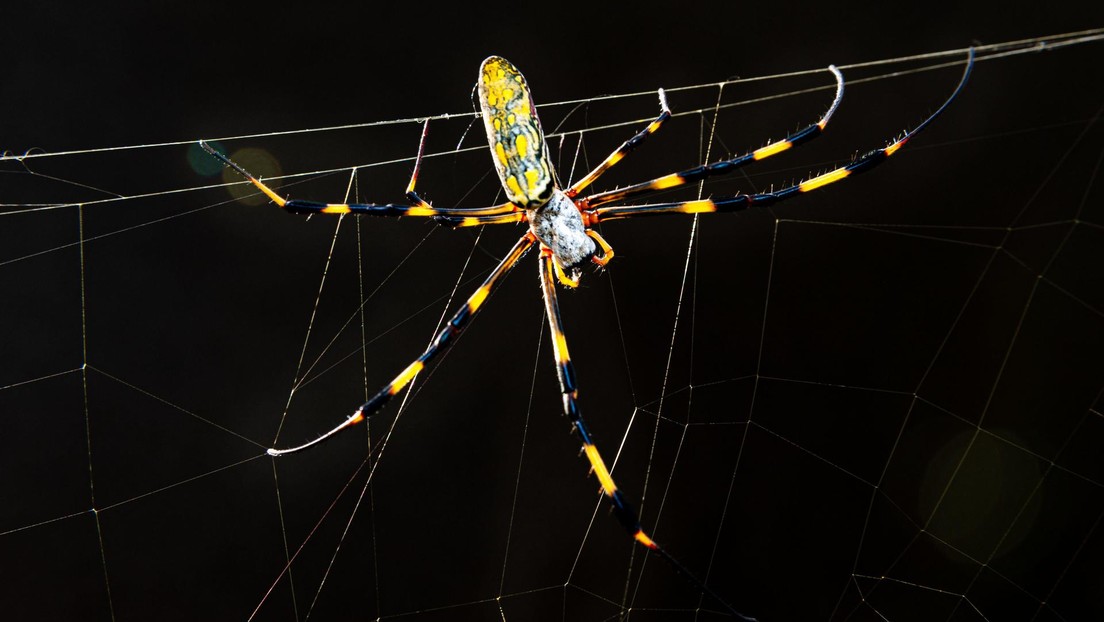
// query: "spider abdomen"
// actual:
[[558, 224], [514, 134]]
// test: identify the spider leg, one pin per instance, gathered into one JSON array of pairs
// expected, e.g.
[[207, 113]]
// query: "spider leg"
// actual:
[[456, 222], [742, 201], [607, 250], [622, 510], [722, 167], [443, 340], [625, 148], [417, 208]]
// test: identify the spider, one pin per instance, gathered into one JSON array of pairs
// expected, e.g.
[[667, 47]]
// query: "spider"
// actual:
[[561, 222]]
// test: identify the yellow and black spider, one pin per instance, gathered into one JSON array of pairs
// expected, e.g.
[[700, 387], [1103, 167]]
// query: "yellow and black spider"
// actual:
[[560, 222]]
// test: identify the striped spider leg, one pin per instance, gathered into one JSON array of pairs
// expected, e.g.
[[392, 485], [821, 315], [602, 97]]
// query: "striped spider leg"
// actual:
[[416, 207], [594, 214], [565, 370]]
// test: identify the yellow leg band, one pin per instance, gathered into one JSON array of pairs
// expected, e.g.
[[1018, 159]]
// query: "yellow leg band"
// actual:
[[643, 538], [406, 376], [600, 470]]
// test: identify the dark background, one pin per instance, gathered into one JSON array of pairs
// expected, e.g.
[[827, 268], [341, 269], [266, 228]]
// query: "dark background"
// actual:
[[883, 399]]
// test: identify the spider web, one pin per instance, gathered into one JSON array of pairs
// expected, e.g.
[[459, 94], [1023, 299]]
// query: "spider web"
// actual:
[[881, 401]]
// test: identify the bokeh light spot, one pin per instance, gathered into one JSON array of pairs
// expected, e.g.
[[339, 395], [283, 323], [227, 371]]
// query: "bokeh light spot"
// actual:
[[260, 163], [979, 493], [202, 162]]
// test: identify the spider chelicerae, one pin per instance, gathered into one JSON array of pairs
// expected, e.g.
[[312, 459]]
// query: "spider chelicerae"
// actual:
[[561, 222]]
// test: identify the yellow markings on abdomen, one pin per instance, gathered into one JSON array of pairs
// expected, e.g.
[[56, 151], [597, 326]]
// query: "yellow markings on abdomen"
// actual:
[[532, 179], [405, 377], [600, 469], [823, 180], [512, 187], [514, 134], [772, 149]]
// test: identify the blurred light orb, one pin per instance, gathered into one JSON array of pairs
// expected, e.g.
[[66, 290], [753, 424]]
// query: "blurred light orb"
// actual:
[[259, 162], [986, 504], [202, 162]]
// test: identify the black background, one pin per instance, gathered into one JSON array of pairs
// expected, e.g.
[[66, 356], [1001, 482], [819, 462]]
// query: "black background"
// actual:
[[886, 348]]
